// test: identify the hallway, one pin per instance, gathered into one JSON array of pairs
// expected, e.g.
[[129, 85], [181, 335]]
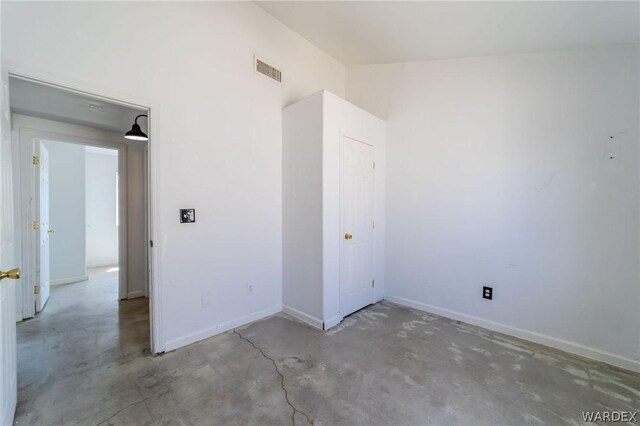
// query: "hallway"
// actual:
[[70, 349]]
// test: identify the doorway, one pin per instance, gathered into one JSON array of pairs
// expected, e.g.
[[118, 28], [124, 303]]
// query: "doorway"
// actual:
[[357, 206], [74, 197], [86, 126], [82, 229], [83, 223], [12, 227], [102, 210]]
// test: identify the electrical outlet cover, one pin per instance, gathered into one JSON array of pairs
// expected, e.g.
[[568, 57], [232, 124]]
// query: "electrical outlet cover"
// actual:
[[487, 292]]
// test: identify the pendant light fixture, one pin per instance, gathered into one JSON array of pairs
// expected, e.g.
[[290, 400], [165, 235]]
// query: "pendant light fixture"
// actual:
[[136, 133]]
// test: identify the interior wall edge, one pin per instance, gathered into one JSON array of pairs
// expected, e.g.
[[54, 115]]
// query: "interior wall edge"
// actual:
[[528, 335], [333, 321], [301, 316]]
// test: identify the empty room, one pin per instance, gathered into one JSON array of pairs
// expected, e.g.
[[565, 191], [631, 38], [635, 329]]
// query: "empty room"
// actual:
[[309, 212]]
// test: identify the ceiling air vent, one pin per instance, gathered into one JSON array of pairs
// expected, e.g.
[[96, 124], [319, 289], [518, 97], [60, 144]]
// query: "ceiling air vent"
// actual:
[[268, 71]]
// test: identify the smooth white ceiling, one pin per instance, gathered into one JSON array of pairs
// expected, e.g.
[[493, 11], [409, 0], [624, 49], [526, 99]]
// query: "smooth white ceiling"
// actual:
[[39, 100], [383, 32]]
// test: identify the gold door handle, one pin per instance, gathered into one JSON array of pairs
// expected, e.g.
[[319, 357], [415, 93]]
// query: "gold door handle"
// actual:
[[14, 274], [348, 236], [51, 231]]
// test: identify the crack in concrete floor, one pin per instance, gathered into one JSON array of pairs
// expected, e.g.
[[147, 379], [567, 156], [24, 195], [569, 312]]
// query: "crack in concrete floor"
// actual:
[[384, 365], [108, 419], [284, 389]]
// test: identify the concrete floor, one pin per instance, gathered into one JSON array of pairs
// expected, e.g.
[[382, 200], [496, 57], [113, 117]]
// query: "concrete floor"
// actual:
[[85, 361]]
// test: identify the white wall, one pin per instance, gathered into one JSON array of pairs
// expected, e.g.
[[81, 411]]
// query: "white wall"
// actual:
[[102, 217], [218, 137], [302, 237], [67, 258], [498, 175]]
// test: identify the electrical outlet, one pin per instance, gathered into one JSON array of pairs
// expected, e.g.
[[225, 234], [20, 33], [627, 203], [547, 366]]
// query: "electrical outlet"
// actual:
[[487, 292], [249, 289]]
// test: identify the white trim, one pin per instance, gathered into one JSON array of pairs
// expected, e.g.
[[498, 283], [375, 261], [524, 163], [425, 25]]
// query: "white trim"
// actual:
[[332, 322], [103, 265], [64, 82], [136, 293], [10, 409], [99, 92], [70, 280], [305, 318], [220, 328], [154, 228], [27, 212], [532, 336]]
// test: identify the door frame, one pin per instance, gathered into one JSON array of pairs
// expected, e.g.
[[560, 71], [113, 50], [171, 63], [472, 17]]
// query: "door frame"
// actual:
[[98, 92], [340, 234], [27, 139], [45, 281]]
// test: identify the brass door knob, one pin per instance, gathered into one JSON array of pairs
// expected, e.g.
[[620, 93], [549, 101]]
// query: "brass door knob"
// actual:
[[348, 236], [14, 274], [51, 231]]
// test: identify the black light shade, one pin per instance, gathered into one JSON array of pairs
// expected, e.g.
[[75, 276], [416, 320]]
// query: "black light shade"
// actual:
[[136, 133]]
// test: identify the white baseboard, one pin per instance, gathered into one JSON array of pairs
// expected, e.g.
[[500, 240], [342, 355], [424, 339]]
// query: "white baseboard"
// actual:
[[219, 328], [306, 318], [332, 322], [136, 293], [105, 265], [70, 280], [532, 336]]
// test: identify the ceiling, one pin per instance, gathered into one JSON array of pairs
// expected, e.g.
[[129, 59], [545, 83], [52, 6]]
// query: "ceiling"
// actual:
[[372, 32], [39, 100]]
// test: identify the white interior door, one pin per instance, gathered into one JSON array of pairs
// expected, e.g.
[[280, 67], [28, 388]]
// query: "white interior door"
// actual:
[[8, 366], [42, 188], [357, 211]]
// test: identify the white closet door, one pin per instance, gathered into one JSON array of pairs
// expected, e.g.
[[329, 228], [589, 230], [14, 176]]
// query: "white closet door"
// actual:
[[8, 366], [357, 211]]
